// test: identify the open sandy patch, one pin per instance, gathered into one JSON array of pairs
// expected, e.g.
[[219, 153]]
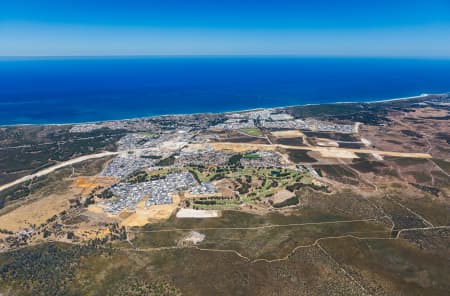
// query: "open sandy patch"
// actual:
[[377, 156], [190, 213], [326, 142], [334, 153], [194, 237], [35, 213], [152, 214], [366, 142], [88, 184], [241, 147], [287, 134], [281, 196]]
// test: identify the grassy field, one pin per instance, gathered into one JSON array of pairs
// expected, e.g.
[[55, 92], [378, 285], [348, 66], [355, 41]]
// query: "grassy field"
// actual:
[[255, 132], [250, 156]]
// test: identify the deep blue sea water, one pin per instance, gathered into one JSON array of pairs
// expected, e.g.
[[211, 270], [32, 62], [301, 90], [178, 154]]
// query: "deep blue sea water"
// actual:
[[58, 90]]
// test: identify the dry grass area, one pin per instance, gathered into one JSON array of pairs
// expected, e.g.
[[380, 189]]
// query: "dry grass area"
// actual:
[[88, 225], [241, 136], [281, 196], [429, 112], [226, 187], [333, 152], [337, 154], [88, 184], [206, 195], [153, 214], [96, 208], [56, 167], [89, 232], [36, 212], [55, 205], [326, 142], [240, 147], [421, 130], [287, 134]]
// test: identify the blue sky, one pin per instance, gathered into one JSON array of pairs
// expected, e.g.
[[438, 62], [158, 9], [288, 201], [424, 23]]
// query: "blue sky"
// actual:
[[174, 27]]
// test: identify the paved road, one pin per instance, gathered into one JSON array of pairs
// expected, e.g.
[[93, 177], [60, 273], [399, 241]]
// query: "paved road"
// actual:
[[220, 146], [55, 167]]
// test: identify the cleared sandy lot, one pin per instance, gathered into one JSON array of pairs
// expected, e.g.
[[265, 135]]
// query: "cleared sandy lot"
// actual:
[[35, 213], [190, 213], [87, 184], [287, 134], [242, 147], [194, 237], [55, 167], [281, 196], [152, 214], [337, 154], [326, 142]]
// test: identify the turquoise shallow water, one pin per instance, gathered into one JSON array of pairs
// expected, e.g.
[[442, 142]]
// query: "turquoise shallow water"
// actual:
[[57, 90]]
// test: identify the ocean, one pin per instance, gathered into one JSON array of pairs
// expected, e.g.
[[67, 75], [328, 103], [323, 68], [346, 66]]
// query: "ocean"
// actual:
[[68, 90]]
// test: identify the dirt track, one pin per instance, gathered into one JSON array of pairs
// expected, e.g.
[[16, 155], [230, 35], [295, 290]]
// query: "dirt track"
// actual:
[[237, 147], [241, 147], [55, 167]]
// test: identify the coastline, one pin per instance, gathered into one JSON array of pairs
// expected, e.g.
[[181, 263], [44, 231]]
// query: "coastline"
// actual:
[[423, 95]]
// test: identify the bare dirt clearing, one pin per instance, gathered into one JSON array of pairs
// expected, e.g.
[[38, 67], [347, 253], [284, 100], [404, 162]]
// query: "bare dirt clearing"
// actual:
[[152, 214], [337, 154], [88, 184], [190, 213], [36, 212], [243, 147], [419, 129], [193, 237], [281, 196], [56, 167], [287, 134], [326, 142]]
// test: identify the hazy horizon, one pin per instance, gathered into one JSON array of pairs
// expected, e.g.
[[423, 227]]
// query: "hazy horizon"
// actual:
[[416, 29]]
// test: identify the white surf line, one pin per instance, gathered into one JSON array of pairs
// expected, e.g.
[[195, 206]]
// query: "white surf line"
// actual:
[[55, 167]]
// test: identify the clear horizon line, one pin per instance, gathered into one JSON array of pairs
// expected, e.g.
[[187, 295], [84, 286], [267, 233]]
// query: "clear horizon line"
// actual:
[[256, 55]]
